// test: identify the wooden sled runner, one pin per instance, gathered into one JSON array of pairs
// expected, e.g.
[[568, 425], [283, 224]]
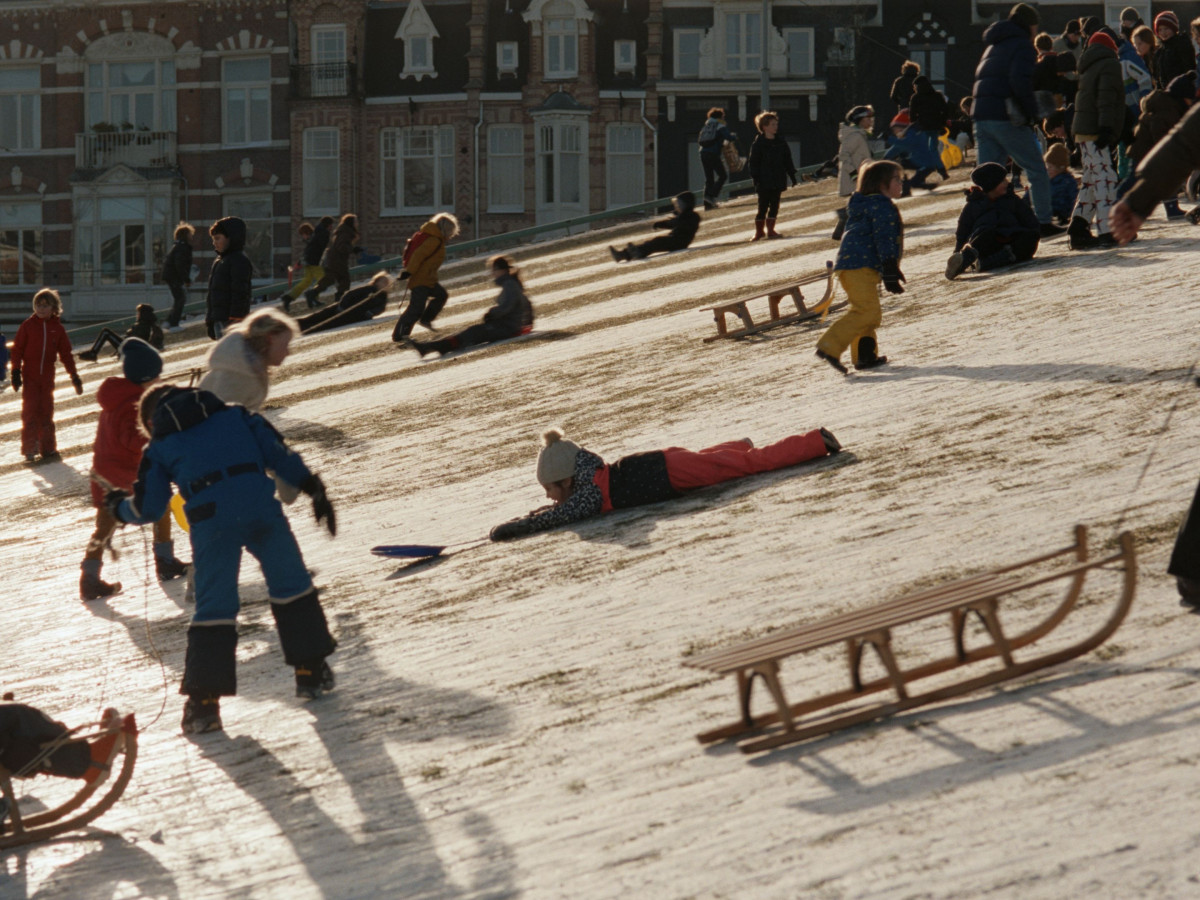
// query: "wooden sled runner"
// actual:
[[774, 296], [980, 594], [115, 736]]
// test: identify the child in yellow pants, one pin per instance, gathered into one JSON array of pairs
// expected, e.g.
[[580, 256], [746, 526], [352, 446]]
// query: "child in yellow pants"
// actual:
[[869, 253]]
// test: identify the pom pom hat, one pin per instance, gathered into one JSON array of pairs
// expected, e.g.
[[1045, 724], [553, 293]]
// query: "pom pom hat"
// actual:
[[1167, 18], [140, 362], [556, 461]]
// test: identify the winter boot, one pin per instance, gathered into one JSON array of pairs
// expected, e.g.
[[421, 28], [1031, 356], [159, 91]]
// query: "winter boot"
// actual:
[[91, 586], [1171, 208], [840, 228], [759, 230], [905, 187], [832, 444], [617, 255], [833, 361], [771, 232], [1194, 216], [88, 355], [313, 679], [201, 714], [166, 565], [1079, 235], [1002, 257], [868, 354], [285, 300], [1049, 229], [960, 261]]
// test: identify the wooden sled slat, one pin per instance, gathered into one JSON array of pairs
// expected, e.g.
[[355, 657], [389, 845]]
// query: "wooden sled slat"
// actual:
[[775, 296], [980, 594]]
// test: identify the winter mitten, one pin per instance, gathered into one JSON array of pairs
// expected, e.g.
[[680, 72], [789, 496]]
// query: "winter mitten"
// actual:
[[112, 502], [16, 379], [78, 383], [893, 278], [509, 530], [322, 508]]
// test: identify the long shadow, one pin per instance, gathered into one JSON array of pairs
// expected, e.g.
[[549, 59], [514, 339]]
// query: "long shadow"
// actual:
[[391, 853], [110, 870], [1032, 373], [848, 794], [498, 346]]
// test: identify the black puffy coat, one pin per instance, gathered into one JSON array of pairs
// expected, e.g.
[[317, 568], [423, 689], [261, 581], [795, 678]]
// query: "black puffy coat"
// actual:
[[315, 248], [1174, 57], [771, 164], [1005, 71], [229, 282], [1100, 100], [177, 267], [1004, 217]]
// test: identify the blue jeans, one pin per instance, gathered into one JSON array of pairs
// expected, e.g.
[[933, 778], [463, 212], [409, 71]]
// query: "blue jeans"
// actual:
[[997, 141]]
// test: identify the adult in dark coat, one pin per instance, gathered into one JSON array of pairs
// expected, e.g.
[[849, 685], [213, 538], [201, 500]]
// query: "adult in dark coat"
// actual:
[[177, 272], [1004, 107], [511, 316], [229, 281], [771, 168], [902, 87], [1158, 176], [681, 228]]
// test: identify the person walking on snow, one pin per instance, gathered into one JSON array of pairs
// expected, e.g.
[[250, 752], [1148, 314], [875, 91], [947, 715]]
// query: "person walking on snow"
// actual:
[[902, 87], [39, 339], [1004, 107], [424, 255], [771, 168], [335, 261], [681, 228], [1099, 118], [854, 149], [218, 456], [177, 272], [581, 485], [711, 139], [116, 454], [870, 252]]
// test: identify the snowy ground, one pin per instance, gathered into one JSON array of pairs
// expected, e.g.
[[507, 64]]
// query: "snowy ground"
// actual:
[[515, 721]]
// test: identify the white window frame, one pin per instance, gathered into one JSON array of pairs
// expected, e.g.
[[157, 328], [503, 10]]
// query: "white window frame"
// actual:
[[932, 59], [561, 37], [417, 31], [234, 206], [253, 116], [144, 228], [808, 68], [507, 166], [561, 151], [625, 164], [396, 145], [99, 97], [747, 60], [625, 56], [21, 238], [678, 33], [328, 71], [508, 55], [318, 152], [27, 111]]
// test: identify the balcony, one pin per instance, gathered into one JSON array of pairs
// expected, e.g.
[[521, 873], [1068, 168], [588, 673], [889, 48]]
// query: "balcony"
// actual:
[[136, 149], [330, 79]]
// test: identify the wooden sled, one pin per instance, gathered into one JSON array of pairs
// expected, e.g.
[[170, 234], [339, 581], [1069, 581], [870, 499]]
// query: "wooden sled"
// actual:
[[980, 594], [774, 296], [84, 807]]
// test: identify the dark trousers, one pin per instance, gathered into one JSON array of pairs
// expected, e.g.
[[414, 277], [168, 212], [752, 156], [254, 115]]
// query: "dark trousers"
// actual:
[[424, 304], [107, 336], [483, 333], [340, 276], [662, 244], [768, 204], [714, 174], [178, 299], [1023, 244]]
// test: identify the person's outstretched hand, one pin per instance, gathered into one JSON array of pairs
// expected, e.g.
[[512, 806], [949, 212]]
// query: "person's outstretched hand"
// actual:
[[1123, 222]]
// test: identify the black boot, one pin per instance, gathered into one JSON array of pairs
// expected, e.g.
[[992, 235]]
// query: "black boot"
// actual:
[[1002, 257], [201, 713], [960, 261], [93, 587], [313, 679], [1079, 235], [868, 354], [840, 228]]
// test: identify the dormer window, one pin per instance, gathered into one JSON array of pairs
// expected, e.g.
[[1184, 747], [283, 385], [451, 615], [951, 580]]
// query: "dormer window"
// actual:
[[506, 57], [625, 56], [559, 23], [417, 31]]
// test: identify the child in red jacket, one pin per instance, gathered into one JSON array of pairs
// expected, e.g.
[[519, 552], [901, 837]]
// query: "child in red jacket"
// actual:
[[40, 338], [116, 455]]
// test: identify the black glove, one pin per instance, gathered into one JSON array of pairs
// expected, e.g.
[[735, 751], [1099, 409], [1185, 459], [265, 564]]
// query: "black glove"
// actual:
[[1105, 139], [509, 530], [78, 383], [404, 275], [112, 499], [16, 379], [892, 277], [322, 508]]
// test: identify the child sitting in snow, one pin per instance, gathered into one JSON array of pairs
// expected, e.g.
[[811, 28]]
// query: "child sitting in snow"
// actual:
[[870, 252], [145, 327], [581, 485], [682, 227], [511, 316], [1064, 189], [116, 454], [995, 228]]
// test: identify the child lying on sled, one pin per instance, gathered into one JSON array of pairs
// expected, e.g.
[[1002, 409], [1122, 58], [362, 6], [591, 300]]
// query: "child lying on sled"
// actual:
[[32, 743], [580, 484]]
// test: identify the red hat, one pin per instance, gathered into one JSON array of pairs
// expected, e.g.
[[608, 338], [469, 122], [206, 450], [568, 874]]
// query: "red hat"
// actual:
[[1104, 40], [901, 120], [1167, 18]]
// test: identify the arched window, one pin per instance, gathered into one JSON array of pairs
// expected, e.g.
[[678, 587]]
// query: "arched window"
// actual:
[[131, 82]]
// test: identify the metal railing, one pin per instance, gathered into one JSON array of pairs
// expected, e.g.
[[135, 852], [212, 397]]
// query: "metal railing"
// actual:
[[328, 79], [138, 149]]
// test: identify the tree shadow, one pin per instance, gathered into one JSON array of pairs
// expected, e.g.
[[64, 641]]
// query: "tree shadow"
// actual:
[[110, 870]]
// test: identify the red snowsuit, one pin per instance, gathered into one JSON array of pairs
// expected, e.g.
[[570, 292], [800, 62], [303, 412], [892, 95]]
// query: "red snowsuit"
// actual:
[[34, 349]]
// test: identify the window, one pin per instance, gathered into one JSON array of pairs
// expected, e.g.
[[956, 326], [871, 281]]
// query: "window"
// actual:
[[329, 70], [132, 95], [120, 239], [506, 57], [1112, 13], [560, 165], [799, 52], [506, 168], [687, 52], [743, 42], [20, 243], [624, 56], [841, 51], [247, 88], [322, 174], [626, 165], [418, 169], [256, 211], [417, 31], [932, 61], [20, 109], [562, 42]]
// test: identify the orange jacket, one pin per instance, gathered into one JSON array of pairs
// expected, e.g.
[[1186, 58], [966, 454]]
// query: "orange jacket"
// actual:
[[425, 261]]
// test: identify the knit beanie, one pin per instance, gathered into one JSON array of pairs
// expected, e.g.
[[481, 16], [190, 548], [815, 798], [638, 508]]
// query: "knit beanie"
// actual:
[[139, 361], [1073, 27], [1024, 14], [1103, 40], [858, 113], [1129, 14], [1183, 87], [1089, 25], [1167, 18], [1058, 155], [556, 460], [989, 175]]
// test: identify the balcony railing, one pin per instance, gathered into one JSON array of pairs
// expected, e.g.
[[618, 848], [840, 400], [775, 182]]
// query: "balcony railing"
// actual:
[[329, 79], [138, 149]]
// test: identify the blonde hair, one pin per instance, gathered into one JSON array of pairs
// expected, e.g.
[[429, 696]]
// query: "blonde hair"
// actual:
[[447, 224], [51, 296], [260, 326], [382, 281]]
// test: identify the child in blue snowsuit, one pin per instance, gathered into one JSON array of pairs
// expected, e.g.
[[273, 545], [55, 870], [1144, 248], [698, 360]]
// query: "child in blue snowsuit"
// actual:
[[913, 149], [221, 457]]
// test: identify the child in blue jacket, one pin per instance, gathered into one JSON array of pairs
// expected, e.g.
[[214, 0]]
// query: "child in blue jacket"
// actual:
[[912, 148], [220, 457], [870, 251]]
